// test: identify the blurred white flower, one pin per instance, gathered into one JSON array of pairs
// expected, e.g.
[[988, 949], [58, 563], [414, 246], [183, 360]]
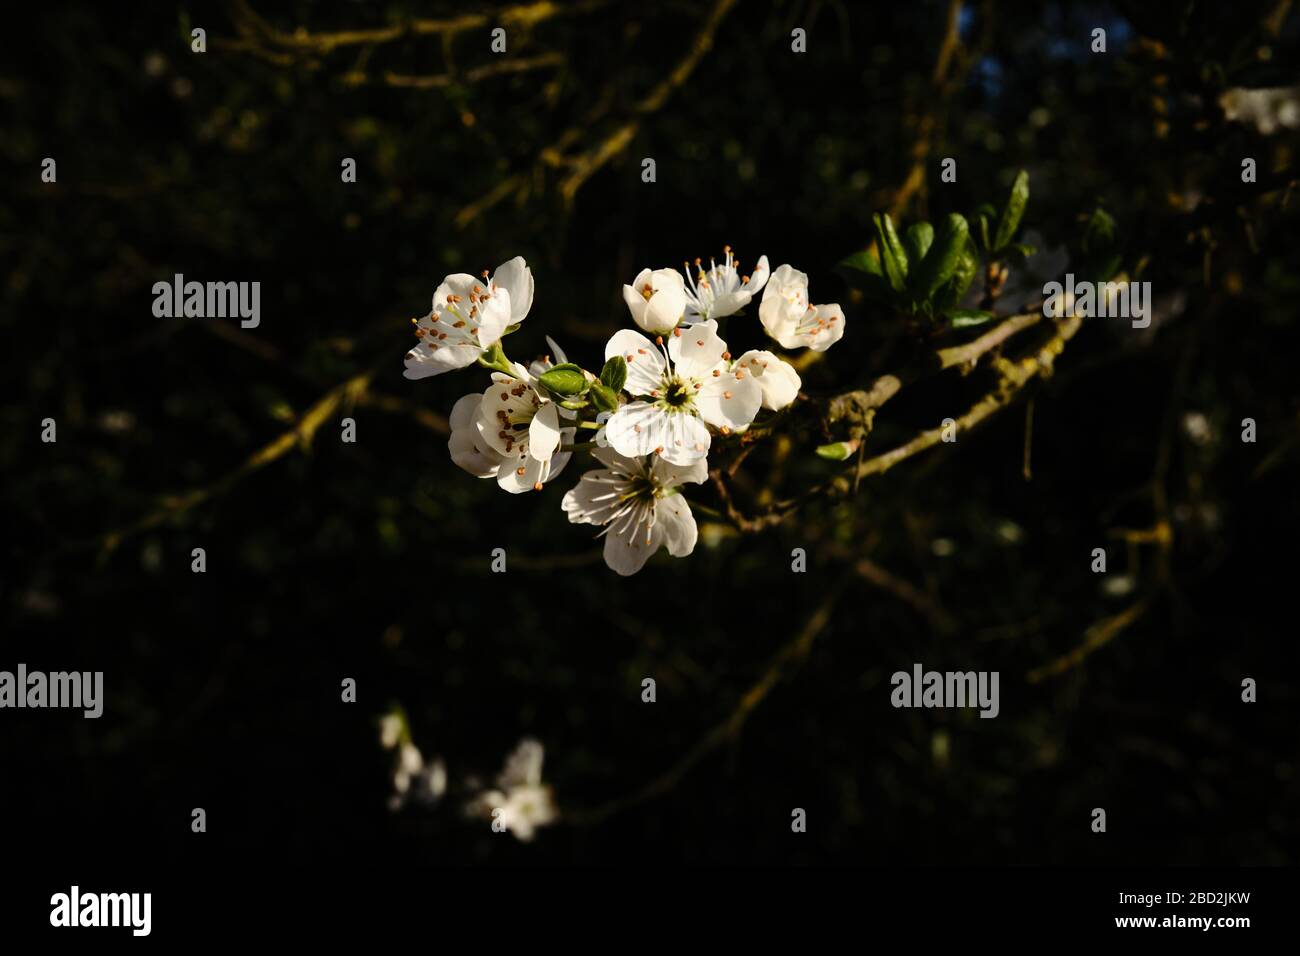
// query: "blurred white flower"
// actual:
[[1198, 428], [721, 290], [680, 391], [639, 506], [656, 300], [776, 377], [390, 731], [414, 778], [1118, 585], [1265, 109], [521, 802], [791, 319], [469, 315]]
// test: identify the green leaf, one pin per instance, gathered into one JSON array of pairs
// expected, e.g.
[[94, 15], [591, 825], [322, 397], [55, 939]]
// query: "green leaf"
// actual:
[[567, 379], [1012, 211], [1022, 250], [983, 229], [865, 261], [917, 241], [892, 254], [603, 397], [965, 318], [941, 261], [614, 374], [955, 288]]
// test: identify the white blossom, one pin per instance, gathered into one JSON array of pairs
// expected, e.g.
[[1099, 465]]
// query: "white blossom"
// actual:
[[521, 802], [469, 316], [791, 319], [656, 300], [512, 432], [680, 391], [721, 290], [775, 376], [637, 502], [1267, 109], [414, 778]]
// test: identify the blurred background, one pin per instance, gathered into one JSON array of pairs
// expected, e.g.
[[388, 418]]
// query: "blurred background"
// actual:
[[371, 560]]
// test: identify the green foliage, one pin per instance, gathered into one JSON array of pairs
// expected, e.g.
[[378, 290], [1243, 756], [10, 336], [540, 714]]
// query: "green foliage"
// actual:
[[941, 261], [567, 379], [1012, 212], [614, 374]]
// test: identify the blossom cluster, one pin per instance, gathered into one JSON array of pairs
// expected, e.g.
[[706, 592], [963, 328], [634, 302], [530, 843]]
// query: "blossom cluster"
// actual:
[[518, 801], [662, 397]]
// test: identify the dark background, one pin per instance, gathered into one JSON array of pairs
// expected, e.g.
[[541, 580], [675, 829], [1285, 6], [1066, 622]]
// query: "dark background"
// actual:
[[371, 560]]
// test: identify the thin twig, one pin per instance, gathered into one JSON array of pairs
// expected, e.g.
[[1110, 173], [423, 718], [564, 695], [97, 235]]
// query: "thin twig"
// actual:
[[792, 653], [299, 436], [1096, 637], [522, 15]]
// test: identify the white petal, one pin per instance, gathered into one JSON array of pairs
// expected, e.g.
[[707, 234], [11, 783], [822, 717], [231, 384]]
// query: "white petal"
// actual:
[[517, 279], [544, 432], [666, 304], [627, 552], [556, 351], [458, 283], [464, 411], [731, 400], [519, 473], [785, 299], [638, 428], [687, 439], [668, 475], [776, 377], [493, 317], [645, 363], [524, 765], [423, 360], [786, 276], [673, 516], [466, 449], [619, 463], [519, 403], [636, 303], [758, 278], [465, 453], [729, 303], [595, 498], [560, 458], [832, 331], [697, 349]]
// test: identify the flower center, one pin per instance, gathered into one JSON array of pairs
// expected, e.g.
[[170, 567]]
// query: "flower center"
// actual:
[[677, 395]]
